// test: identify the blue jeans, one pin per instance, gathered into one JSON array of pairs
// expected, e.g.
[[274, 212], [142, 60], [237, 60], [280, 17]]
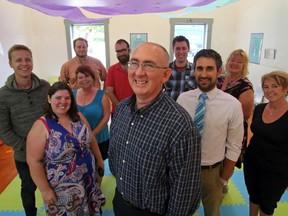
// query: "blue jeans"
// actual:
[[28, 188]]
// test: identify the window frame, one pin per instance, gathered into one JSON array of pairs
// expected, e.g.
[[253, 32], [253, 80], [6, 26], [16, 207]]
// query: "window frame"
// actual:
[[184, 21], [69, 41]]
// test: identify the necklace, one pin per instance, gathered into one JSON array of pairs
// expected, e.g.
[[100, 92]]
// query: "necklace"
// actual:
[[233, 81], [276, 111]]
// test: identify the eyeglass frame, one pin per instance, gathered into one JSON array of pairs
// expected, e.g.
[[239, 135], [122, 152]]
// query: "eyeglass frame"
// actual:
[[122, 50], [142, 65]]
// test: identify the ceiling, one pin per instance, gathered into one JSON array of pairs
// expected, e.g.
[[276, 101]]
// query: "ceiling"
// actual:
[[76, 10]]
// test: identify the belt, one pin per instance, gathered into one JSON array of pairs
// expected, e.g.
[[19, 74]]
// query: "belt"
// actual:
[[210, 166]]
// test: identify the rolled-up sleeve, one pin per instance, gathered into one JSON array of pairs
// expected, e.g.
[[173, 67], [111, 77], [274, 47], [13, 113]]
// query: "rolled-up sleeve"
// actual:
[[235, 134]]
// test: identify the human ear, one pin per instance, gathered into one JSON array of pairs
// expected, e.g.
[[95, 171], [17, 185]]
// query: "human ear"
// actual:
[[166, 74], [219, 71]]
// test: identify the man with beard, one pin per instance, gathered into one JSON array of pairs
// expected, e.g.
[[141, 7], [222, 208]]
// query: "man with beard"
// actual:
[[117, 84], [68, 70], [222, 132], [182, 78]]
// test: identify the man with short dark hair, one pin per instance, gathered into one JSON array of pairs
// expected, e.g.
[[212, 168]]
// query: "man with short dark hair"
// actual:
[[117, 85], [222, 131], [182, 78]]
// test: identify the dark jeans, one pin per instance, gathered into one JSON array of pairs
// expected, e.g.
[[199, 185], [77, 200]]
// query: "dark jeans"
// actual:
[[123, 208], [28, 188]]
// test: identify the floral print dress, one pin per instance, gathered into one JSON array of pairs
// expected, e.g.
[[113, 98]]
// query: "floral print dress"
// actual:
[[70, 170]]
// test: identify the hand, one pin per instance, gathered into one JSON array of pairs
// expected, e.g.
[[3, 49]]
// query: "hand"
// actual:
[[100, 172], [49, 196], [225, 186], [223, 182], [100, 164]]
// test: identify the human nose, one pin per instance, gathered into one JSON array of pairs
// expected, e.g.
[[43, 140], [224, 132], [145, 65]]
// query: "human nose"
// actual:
[[204, 73], [63, 100], [269, 89]]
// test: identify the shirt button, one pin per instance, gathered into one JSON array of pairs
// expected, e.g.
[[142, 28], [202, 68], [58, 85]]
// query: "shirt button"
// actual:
[[142, 116], [127, 142], [123, 161], [121, 178], [132, 123], [122, 193]]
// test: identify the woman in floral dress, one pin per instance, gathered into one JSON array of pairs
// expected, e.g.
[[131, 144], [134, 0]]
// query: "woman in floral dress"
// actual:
[[63, 156]]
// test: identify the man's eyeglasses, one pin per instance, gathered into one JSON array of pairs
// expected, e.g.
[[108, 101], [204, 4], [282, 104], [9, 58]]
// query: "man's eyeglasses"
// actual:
[[134, 65], [121, 51]]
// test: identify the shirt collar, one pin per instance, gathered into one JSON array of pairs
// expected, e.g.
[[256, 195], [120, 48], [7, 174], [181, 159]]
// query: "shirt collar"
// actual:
[[132, 102], [211, 94], [84, 60]]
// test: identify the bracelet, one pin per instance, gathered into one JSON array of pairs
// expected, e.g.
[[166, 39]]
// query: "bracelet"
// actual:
[[223, 182]]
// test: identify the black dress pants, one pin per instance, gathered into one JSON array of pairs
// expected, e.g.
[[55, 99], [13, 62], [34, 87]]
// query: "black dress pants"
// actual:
[[123, 208]]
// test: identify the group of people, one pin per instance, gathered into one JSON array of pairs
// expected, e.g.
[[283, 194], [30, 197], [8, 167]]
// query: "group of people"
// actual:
[[60, 133], [177, 131]]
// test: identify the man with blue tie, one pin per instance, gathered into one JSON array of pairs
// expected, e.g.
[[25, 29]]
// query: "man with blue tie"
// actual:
[[219, 119]]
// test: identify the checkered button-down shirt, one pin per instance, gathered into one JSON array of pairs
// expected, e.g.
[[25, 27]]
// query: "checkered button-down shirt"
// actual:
[[155, 156], [180, 81]]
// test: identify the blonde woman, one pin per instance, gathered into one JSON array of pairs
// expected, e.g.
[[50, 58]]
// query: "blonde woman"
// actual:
[[236, 83], [265, 160]]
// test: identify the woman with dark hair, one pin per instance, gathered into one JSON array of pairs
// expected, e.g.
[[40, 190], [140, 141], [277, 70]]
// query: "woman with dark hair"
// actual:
[[61, 154], [94, 104]]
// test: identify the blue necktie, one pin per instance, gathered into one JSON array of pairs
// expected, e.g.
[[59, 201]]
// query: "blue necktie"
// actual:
[[199, 114]]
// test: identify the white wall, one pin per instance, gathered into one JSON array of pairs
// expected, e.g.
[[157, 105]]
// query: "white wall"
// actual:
[[43, 34], [12, 31], [158, 30], [268, 17], [232, 27]]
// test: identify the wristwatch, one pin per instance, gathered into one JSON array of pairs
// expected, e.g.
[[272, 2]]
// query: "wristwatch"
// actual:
[[223, 182]]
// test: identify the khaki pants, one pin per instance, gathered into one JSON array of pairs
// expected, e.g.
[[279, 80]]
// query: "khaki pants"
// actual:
[[211, 191]]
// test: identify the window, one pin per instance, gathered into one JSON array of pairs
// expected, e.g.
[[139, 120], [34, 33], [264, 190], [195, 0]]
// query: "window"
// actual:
[[95, 33], [197, 31]]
